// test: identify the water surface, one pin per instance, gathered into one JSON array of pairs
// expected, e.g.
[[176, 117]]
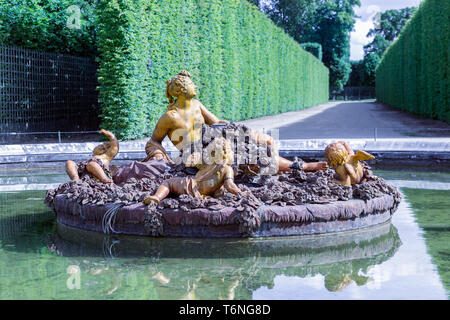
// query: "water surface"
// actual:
[[405, 259]]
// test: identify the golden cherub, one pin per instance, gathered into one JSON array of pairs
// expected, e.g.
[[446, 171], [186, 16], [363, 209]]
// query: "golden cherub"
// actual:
[[98, 165], [209, 180], [345, 162]]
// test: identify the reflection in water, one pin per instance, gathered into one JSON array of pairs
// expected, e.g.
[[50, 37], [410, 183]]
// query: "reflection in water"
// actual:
[[408, 274], [431, 212], [21, 211], [226, 269]]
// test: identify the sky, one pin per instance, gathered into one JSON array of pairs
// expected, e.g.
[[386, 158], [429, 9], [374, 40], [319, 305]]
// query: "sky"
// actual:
[[367, 11]]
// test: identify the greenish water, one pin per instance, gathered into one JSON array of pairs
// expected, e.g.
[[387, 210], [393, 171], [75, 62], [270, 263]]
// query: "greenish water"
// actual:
[[405, 259], [432, 213]]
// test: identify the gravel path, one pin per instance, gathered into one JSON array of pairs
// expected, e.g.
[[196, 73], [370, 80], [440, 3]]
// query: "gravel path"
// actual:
[[351, 120]]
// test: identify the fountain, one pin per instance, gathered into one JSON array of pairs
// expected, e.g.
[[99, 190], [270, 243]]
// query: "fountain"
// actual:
[[228, 181]]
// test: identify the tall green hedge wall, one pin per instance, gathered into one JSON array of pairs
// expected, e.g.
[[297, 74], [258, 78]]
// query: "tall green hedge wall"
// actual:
[[244, 65], [413, 74]]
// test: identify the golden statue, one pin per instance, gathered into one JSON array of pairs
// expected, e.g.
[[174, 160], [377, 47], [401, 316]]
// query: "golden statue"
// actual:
[[186, 116], [98, 165], [209, 180], [345, 162]]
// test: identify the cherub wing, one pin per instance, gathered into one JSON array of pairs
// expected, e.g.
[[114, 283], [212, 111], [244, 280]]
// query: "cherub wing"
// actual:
[[362, 156]]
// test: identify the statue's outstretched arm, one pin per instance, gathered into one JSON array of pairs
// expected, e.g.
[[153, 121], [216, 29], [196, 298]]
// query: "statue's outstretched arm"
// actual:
[[153, 148], [350, 171], [209, 117], [114, 144]]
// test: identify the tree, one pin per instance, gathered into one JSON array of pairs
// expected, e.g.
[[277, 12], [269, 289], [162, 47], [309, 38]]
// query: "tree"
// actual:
[[388, 26], [255, 2], [358, 75], [327, 22], [336, 22], [42, 25], [391, 22], [313, 48], [296, 17]]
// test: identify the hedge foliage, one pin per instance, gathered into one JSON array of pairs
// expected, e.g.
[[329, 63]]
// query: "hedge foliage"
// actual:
[[42, 25], [244, 65], [413, 74]]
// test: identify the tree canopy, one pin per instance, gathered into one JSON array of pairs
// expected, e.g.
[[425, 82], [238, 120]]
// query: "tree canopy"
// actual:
[[391, 22], [387, 28], [327, 22]]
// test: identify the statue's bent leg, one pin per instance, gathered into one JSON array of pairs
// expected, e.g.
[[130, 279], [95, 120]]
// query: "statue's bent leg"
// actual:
[[162, 192], [94, 169], [72, 170]]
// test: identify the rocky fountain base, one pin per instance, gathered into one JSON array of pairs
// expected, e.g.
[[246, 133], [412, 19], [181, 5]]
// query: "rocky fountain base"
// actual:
[[295, 203]]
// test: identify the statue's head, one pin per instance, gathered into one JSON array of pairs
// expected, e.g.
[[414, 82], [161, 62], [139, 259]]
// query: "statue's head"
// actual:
[[220, 152], [179, 85], [101, 148], [336, 154]]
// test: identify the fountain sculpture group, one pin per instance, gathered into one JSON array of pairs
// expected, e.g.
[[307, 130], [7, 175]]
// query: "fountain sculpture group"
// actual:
[[227, 181]]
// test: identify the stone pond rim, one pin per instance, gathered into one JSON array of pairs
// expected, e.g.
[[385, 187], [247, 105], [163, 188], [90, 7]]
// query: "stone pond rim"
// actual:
[[287, 204], [306, 219]]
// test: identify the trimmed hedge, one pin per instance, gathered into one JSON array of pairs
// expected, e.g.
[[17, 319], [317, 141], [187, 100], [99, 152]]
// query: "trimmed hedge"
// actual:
[[244, 65], [413, 74]]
